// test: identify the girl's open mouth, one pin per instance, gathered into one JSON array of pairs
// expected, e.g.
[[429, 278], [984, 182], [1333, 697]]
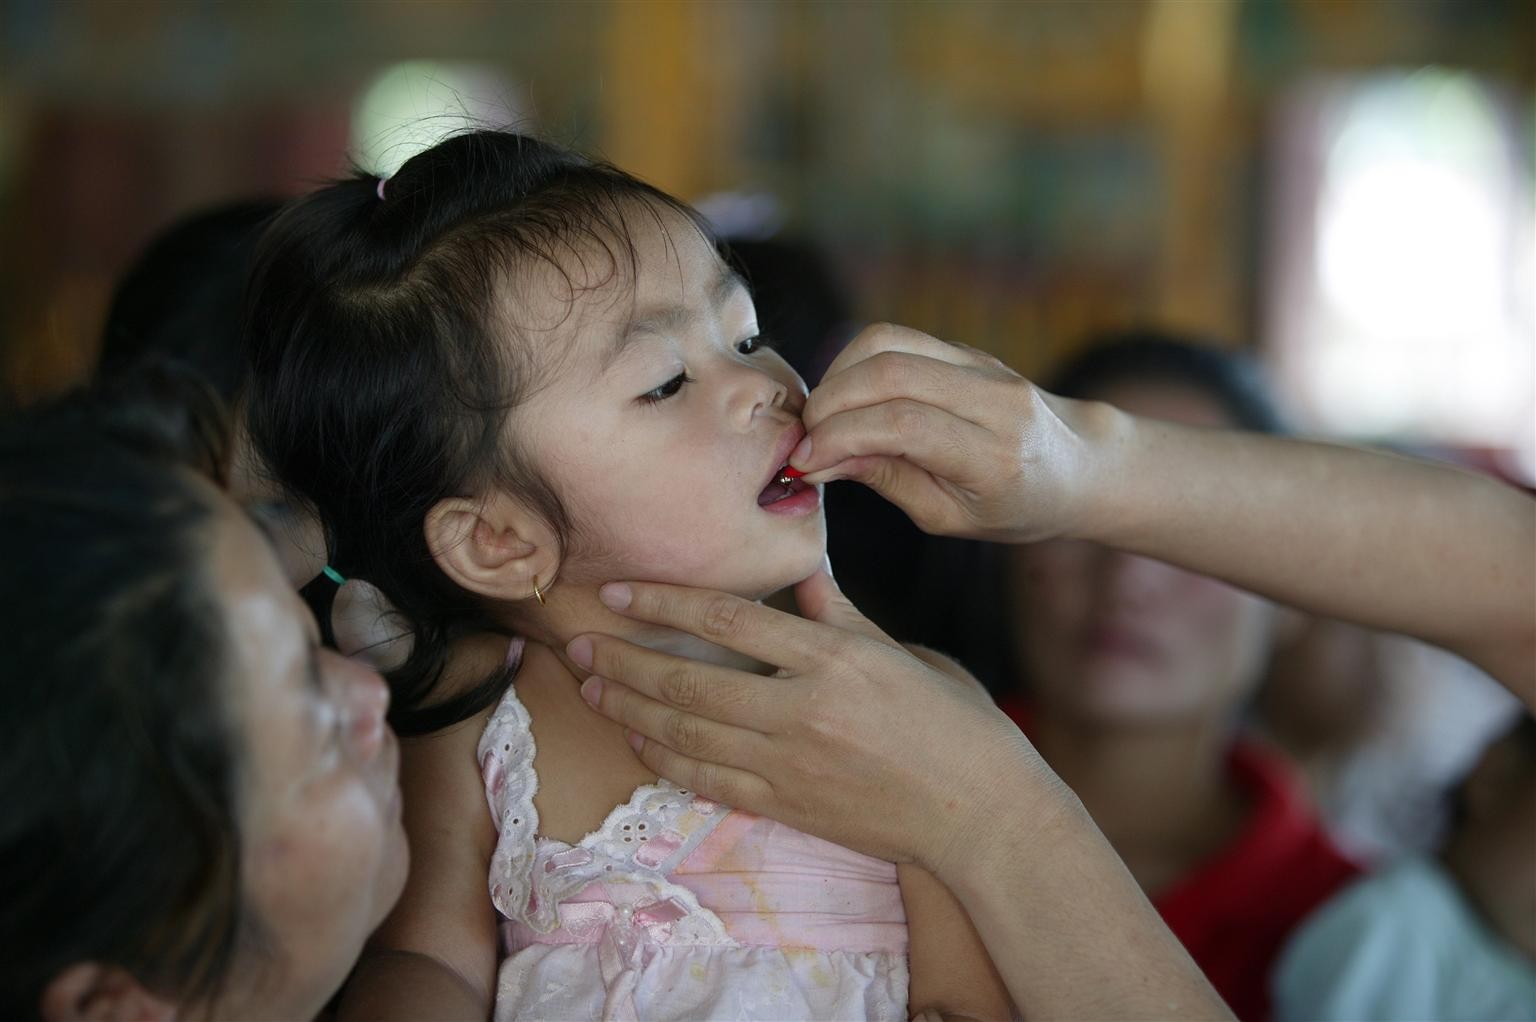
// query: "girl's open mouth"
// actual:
[[776, 490], [792, 497]]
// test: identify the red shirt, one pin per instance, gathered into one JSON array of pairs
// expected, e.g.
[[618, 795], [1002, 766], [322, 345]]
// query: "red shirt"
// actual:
[[1234, 911]]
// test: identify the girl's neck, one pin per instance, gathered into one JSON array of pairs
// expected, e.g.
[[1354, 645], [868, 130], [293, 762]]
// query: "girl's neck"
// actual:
[[1160, 793], [584, 763], [574, 609]]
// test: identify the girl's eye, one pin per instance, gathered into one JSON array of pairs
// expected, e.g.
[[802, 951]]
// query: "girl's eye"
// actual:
[[751, 345], [668, 389]]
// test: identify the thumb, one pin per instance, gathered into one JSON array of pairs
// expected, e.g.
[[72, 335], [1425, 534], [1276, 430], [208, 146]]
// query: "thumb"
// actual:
[[820, 600], [911, 487]]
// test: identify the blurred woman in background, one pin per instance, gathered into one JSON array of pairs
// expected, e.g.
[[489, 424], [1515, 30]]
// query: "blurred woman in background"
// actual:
[[1135, 676]]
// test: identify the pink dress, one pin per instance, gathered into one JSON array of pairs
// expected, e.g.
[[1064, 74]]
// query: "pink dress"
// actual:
[[681, 908]]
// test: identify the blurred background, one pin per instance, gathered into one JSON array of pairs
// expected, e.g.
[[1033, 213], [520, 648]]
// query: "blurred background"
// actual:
[[1345, 187]]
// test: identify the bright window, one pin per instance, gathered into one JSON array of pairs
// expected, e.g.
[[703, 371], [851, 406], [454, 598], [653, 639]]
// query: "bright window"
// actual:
[[1402, 302], [412, 106]]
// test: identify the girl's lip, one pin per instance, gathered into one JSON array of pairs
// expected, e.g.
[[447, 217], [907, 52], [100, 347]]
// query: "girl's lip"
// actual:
[[803, 503], [781, 452]]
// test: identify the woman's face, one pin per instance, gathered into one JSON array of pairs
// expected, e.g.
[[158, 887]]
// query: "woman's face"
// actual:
[[1117, 639], [324, 853], [663, 422], [295, 534]]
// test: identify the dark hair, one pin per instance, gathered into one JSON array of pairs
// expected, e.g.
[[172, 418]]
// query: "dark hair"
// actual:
[[1146, 355], [380, 376], [119, 840], [183, 299]]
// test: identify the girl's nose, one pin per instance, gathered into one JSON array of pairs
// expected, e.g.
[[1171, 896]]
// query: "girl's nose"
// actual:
[[753, 391]]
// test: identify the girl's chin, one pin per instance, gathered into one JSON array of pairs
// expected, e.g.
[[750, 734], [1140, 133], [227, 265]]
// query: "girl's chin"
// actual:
[[754, 582], [789, 576]]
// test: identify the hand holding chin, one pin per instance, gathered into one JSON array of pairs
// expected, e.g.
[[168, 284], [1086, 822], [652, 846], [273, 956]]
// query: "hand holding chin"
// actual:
[[851, 721]]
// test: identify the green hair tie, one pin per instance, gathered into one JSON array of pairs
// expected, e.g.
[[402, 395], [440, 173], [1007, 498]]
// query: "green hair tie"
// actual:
[[334, 575]]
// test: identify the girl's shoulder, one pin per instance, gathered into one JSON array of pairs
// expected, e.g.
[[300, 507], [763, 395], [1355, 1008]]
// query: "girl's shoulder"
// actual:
[[581, 764], [472, 659]]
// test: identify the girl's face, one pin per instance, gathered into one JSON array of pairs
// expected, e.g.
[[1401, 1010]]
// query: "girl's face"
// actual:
[[324, 851], [665, 421], [1121, 639]]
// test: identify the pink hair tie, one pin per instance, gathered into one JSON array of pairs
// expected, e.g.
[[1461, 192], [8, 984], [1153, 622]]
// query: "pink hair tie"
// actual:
[[381, 188]]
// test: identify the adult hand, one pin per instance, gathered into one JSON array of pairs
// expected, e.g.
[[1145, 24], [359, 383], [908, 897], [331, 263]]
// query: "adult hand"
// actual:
[[857, 741], [960, 442], [854, 740]]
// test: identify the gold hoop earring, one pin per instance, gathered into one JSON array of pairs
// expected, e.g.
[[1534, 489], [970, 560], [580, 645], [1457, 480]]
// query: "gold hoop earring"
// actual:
[[536, 593]]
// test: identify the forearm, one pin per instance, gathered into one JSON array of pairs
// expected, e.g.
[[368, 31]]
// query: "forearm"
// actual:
[[1065, 924], [1388, 542], [409, 986]]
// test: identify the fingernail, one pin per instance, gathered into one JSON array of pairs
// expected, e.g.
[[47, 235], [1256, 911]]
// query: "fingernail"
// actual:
[[579, 649], [801, 453], [592, 690], [636, 742], [615, 595]]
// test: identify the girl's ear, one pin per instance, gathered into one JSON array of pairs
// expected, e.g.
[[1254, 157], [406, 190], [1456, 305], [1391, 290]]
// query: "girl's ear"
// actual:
[[90, 990], [495, 547]]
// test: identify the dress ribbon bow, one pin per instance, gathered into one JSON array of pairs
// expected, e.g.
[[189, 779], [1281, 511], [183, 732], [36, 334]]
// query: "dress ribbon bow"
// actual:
[[627, 930]]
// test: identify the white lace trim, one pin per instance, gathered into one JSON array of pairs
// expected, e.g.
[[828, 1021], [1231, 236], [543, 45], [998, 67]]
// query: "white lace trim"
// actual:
[[505, 754], [639, 842]]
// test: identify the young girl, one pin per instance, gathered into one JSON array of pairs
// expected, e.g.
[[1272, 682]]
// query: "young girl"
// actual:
[[503, 377]]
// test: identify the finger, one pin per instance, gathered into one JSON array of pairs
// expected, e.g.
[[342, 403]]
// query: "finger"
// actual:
[[820, 599], [891, 376], [878, 337], [720, 693], [762, 633], [681, 731], [926, 435], [739, 789], [931, 503]]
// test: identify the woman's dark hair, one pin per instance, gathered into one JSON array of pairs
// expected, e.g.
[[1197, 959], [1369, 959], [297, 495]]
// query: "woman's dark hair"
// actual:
[[119, 840], [182, 305], [1148, 355], [183, 299], [381, 368]]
